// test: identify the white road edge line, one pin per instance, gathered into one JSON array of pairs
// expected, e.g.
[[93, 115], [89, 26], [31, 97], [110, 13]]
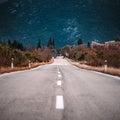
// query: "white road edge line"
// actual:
[[59, 83], [108, 75], [59, 102], [105, 74]]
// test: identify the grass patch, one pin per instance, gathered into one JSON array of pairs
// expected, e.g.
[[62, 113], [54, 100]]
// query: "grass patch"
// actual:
[[33, 65], [110, 70]]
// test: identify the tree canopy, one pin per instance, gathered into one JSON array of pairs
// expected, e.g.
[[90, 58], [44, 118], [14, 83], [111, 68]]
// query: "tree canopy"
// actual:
[[51, 43], [39, 44], [80, 41]]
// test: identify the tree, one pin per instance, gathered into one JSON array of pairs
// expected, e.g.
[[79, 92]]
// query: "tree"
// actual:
[[88, 44], [9, 43], [17, 45], [20, 46], [0, 41], [79, 42], [51, 43], [39, 44], [117, 39]]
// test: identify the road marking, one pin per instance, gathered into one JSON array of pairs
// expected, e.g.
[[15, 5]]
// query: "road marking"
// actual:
[[58, 69], [59, 102], [59, 76], [58, 72], [59, 83], [105, 74]]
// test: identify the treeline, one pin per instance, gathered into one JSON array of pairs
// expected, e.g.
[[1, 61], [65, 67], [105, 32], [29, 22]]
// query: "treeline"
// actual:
[[15, 44], [94, 57], [15, 50], [50, 44]]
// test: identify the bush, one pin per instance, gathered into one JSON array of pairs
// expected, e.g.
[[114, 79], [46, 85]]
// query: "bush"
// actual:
[[21, 58], [6, 55], [94, 57]]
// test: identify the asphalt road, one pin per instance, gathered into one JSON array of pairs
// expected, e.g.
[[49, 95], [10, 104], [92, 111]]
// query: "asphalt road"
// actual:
[[59, 91]]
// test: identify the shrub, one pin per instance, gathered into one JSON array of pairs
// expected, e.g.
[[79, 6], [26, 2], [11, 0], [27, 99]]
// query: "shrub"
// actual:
[[94, 57]]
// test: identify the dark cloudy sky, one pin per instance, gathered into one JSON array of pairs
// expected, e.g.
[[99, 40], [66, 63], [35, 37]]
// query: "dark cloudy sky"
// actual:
[[65, 20], [1, 1]]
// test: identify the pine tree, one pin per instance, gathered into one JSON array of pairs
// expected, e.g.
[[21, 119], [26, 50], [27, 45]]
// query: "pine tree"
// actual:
[[9, 43], [79, 42], [17, 45], [117, 39], [51, 43], [88, 44], [39, 44]]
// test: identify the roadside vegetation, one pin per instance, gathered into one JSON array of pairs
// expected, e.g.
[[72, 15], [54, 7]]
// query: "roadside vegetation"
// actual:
[[109, 70], [13, 51], [94, 59]]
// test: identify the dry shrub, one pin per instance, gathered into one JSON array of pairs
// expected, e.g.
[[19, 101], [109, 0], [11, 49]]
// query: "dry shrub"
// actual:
[[110, 70], [94, 57], [22, 58], [33, 65], [46, 55]]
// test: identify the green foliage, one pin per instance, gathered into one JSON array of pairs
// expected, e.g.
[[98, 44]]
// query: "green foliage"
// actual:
[[32, 57], [80, 41], [94, 57], [16, 45], [99, 54], [117, 39], [5, 55], [16, 51], [88, 44], [79, 56], [21, 58], [39, 44], [51, 43]]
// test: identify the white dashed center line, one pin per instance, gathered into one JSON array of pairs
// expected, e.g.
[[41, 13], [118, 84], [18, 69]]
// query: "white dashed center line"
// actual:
[[59, 102], [59, 98], [59, 76], [58, 72], [59, 83]]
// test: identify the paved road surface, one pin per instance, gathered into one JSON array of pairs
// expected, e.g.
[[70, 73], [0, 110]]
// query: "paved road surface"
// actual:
[[79, 94]]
